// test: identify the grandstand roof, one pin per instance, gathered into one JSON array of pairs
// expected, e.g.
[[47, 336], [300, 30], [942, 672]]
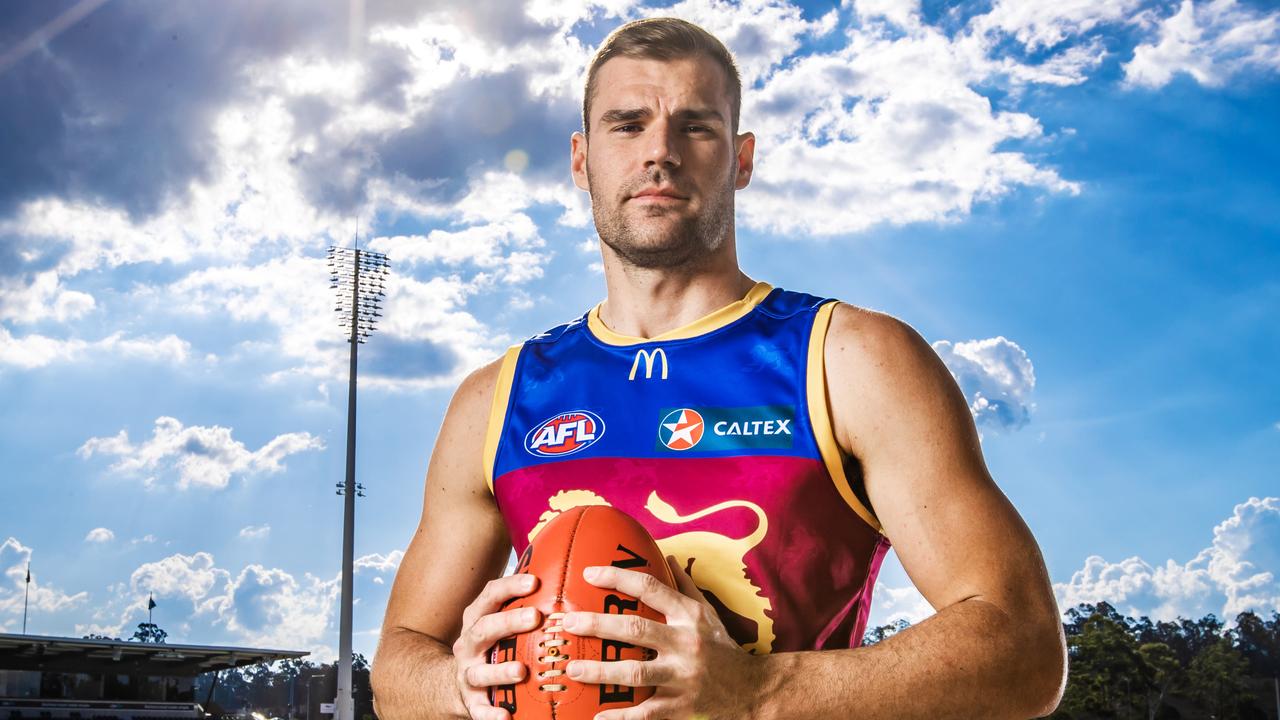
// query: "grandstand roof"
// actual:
[[45, 652]]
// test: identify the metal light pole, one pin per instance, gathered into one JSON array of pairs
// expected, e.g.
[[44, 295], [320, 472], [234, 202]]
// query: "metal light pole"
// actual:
[[358, 276]]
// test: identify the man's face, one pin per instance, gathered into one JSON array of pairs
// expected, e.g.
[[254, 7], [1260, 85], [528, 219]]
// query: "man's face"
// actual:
[[662, 127]]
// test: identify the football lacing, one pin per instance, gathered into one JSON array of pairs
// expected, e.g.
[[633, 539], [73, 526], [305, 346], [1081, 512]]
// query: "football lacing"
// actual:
[[554, 654]]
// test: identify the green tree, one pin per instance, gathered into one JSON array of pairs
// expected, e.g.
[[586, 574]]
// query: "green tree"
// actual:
[[1217, 680], [294, 668], [1106, 669], [1259, 641], [1164, 673], [149, 632], [362, 691]]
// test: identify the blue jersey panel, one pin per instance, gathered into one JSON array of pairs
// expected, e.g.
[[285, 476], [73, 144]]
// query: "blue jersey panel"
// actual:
[[736, 390]]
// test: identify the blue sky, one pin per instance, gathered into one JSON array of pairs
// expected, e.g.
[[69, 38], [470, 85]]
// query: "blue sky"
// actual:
[[1075, 206]]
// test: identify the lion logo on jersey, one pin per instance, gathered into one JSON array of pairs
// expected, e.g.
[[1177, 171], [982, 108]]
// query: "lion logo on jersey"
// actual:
[[722, 570]]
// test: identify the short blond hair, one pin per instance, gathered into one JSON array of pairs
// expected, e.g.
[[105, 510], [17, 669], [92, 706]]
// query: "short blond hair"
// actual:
[[663, 38]]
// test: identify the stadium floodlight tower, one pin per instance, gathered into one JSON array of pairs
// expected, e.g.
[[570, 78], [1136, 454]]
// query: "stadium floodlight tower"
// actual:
[[359, 276]]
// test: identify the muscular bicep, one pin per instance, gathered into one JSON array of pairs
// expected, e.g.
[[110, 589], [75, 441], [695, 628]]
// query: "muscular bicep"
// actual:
[[897, 408], [461, 542]]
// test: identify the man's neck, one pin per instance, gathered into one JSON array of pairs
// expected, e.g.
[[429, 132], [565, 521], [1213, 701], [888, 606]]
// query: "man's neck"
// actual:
[[647, 302]]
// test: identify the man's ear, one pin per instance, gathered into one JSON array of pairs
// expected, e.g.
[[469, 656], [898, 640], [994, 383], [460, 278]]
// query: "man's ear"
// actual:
[[578, 160], [746, 146]]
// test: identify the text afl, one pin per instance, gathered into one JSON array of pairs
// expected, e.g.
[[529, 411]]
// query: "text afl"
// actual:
[[564, 434]]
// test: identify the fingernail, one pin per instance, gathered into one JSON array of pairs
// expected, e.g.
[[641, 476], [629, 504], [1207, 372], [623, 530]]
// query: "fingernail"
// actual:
[[529, 615], [591, 573], [527, 581], [574, 669], [570, 621]]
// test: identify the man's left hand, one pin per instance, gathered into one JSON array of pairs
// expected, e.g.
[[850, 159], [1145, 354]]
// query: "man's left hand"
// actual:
[[699, 671]]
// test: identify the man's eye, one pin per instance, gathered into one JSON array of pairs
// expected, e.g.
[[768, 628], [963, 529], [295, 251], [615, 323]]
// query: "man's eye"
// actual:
[[698, 128], [626, 128]]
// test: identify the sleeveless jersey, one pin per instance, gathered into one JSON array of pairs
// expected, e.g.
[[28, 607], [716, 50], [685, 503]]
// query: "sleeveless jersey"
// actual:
[[717, 437]]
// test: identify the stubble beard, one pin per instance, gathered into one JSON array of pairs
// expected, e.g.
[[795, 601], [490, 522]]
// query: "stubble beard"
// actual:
[[691, 240]]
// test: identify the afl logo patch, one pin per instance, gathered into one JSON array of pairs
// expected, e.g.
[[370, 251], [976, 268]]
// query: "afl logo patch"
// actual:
[[681, 429], [564, 434]]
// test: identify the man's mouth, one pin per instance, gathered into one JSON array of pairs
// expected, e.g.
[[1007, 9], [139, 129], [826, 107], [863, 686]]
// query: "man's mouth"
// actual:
[[658, 195]]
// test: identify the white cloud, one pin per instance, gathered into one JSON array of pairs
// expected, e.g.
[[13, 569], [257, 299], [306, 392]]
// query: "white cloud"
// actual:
[[761, 33], [1211, 41], [255, 532], [498, 248], [40, 597], [1237, 572], [100, 535], [502, 240], [273, 609], [379, 563], [892, 125], [888, 129], [40, 296], [996, 377], [199, 455], [1041, 25], [34, 351], [904, 13], [258, 606], [192, 577]]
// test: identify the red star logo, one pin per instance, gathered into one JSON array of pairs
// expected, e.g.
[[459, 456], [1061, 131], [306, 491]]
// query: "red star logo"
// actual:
[[683, 429]]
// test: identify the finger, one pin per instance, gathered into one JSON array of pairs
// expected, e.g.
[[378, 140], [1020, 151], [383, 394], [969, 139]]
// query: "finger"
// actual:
[[633, 629], [487, 712], [685, 582], [651, 709], [650, 590], [495, 593], [631, 673], [484, 675], [493, 627]]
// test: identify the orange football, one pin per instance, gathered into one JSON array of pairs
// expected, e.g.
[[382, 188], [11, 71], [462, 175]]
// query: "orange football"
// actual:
[[576, 539]]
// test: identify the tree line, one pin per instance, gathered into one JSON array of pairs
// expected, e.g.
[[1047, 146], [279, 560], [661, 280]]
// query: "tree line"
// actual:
[[1118, 667], [294, 688], [1121, 667]]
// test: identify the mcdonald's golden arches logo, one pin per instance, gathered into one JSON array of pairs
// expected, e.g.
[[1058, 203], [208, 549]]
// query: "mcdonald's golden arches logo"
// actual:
[[650, 359]]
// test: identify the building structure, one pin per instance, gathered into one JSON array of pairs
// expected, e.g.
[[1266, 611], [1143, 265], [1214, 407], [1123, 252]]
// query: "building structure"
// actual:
[[60, 678]]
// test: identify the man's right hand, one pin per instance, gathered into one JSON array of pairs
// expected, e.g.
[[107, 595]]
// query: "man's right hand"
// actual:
[[484, 623]]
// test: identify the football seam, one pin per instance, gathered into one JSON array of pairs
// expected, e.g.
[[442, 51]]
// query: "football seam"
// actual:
[[564, 576]]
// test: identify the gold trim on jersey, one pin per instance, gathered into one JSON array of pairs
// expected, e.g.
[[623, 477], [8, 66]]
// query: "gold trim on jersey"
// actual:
[[713, 321], [498, 411], [820, 414]]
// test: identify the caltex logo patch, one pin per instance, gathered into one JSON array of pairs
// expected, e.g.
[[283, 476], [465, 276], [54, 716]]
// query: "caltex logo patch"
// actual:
[[564, 434], [713, 429], [681, 429]]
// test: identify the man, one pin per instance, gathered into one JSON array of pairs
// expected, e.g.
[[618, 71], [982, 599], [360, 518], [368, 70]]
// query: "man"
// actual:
[[795, 437]]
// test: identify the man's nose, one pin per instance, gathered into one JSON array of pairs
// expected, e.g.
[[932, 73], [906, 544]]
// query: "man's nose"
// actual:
[[662, 148]]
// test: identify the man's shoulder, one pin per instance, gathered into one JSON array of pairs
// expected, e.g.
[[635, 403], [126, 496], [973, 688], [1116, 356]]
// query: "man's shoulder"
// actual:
[[878, 352], [885, 381], [879, 330], [472, 399]]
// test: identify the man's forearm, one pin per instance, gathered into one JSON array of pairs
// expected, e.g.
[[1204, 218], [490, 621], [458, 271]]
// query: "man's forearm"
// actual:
[[413, 678], [970, 660]]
